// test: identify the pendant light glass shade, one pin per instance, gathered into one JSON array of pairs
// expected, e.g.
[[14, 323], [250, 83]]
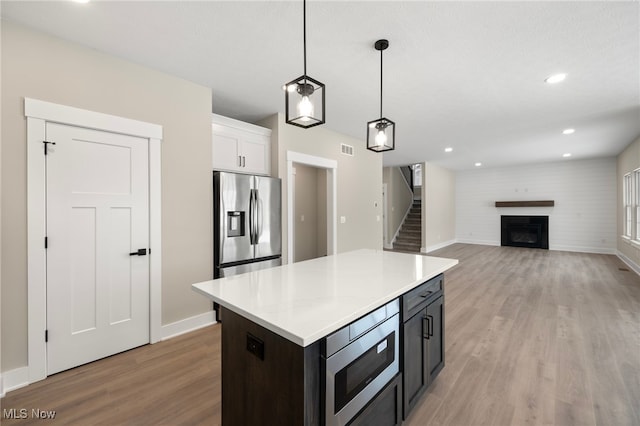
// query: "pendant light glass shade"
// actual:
[[304, 97], [304, 102], [381, 133]]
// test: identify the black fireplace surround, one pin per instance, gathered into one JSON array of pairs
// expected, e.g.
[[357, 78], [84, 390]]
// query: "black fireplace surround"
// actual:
[[525, 231]]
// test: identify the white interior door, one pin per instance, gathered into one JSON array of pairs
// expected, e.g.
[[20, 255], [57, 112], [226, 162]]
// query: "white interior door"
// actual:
[[97, 214]]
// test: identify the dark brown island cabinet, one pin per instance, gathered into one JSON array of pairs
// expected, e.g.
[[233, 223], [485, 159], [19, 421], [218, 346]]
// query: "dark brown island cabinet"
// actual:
[[422, 339], [269, 380], [349, 339]]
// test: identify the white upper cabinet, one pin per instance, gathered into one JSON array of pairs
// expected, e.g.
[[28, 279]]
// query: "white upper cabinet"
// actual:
[[240, 147]]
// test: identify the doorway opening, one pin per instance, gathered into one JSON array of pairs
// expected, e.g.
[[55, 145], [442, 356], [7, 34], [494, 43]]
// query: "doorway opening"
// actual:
[[330, 174], [310, 212]]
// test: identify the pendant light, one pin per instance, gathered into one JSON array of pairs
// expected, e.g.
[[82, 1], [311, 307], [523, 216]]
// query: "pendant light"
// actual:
[[304, 96], [381, 132]]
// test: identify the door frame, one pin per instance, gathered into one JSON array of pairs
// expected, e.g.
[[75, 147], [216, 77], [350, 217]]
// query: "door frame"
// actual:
[[385, 216], [38, 113], [332, 196]]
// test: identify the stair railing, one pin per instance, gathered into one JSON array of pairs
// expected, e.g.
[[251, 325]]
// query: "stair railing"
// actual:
[[407, 173]]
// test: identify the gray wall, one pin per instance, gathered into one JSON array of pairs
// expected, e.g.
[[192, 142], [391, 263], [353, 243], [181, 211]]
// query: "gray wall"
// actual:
[[1, 136], [359, 196], [38, 66], [321, 222]]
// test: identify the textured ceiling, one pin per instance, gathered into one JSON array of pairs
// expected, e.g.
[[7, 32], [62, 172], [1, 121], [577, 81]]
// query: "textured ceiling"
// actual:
[[469, 75]]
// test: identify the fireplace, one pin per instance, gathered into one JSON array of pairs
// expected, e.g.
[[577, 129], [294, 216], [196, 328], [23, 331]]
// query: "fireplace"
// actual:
[[525, 231]]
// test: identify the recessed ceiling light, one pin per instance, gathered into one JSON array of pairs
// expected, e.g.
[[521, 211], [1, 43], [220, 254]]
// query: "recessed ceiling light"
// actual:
[[448, 149], [568, 131], [556, 78], [478, 164], [566, 154]]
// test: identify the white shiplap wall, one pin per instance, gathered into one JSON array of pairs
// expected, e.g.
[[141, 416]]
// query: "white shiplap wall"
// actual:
[[583, 218]]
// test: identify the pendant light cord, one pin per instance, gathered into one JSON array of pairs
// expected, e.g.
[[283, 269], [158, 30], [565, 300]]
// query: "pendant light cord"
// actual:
[[304, 37], [380, 83]]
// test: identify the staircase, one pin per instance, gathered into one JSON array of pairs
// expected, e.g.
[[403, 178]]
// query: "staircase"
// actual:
[[410, 236]]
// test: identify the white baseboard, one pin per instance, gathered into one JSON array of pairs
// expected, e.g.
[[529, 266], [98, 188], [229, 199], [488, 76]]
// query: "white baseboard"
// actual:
[[188, 324], [437, 246], [479, 242], [14, 379], [630, 263], [578, 249]]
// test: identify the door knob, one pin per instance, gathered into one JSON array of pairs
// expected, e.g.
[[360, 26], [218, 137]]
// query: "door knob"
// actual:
[[140, 252]]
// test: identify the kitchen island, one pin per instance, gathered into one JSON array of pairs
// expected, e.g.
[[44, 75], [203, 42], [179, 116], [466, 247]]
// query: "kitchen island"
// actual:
[[276, 322]]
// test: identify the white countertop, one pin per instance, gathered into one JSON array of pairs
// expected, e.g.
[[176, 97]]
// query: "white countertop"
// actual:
[[306, 301]]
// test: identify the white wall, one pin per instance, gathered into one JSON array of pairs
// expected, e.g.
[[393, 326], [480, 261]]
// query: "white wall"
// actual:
[[399, 201], [584, 191], [438, 207], [628, 161]]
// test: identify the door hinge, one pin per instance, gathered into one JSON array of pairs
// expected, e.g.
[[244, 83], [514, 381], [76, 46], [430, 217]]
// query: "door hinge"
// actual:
[[46, 336], [45, 143], [46, 242]]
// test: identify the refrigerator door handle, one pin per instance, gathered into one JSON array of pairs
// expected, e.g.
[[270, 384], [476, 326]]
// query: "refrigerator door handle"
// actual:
[[258, 216], [252, 216], [255, 216]]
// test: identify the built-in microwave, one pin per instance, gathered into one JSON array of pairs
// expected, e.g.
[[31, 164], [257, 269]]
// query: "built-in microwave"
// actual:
[[359, 360]]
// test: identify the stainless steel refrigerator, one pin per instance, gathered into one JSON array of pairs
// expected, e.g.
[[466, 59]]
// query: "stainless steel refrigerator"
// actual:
[[247, 223]]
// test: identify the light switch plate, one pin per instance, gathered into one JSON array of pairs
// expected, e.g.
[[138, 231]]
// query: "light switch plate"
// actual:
[[343, 219]]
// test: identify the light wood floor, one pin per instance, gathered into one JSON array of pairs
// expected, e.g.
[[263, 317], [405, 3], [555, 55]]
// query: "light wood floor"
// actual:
[[532, 337]]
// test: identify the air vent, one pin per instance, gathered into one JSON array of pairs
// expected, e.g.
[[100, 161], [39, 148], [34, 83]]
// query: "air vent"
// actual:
[[346, 149]]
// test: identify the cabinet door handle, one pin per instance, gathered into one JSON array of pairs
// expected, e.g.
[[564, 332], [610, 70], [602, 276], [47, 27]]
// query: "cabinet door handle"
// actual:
[[426, 294], [425, 334], [239, 161], [430, 330], [244, 161]]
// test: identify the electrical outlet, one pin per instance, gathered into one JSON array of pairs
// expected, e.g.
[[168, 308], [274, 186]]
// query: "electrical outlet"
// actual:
[[255, 346], [301, 218]]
